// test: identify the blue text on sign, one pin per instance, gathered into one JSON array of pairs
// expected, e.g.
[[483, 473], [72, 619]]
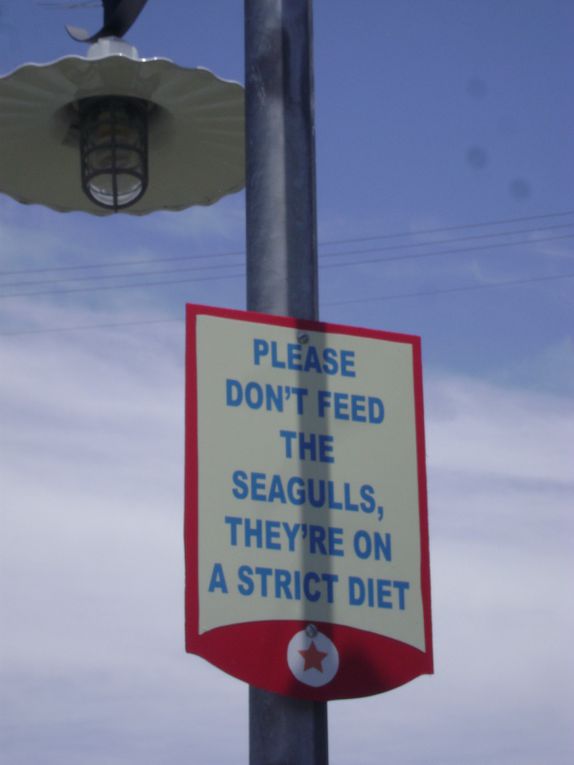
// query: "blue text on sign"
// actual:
[[280, 535], [350, 406], [304, 358], [279, 583], [267, 396]]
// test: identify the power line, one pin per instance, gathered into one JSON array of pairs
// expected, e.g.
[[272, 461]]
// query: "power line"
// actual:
[[326, 243], [396, 296], [417, 255], [161, 283], [81, 327], [454, 240], [448, 290], [459, 227], [133, 275], [218, 267], [367, 261], [127, 262]]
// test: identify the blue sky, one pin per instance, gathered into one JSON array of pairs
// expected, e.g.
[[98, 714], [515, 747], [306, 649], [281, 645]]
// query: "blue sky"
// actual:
[[432, 116]]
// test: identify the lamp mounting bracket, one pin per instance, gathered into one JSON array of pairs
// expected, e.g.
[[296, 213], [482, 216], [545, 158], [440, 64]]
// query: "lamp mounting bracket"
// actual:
[[119, 15]]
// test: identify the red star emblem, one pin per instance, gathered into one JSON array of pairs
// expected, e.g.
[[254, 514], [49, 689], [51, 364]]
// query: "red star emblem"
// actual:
[[313, 657]]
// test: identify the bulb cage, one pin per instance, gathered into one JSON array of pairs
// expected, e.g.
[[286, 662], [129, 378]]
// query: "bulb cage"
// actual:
[[114, 149]]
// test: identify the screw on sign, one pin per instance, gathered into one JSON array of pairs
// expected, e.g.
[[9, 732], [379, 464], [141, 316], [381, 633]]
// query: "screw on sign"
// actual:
[[306, 522]]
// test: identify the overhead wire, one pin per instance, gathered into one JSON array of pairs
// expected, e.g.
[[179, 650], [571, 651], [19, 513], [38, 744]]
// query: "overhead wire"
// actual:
[[365, 261], [378, 298], [458, 227], [219, 267], [448, 290], [458, 251], [209, 267], [325, 243]]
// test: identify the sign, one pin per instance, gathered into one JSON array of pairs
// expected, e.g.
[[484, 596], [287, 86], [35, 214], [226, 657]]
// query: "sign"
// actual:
[[307, 569]]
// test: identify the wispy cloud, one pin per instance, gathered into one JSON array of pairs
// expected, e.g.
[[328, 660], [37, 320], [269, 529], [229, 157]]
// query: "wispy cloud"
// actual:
[[92, 585], [224, 222], [517, 435]]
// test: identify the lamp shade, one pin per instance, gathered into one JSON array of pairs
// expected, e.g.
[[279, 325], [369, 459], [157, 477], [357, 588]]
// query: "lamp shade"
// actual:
[[195, 129]]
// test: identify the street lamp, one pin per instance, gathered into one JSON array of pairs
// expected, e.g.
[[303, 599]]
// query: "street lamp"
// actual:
[[134, 135], [113, 149]]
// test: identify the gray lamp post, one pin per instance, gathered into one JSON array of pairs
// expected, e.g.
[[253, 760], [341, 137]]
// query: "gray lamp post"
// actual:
[[111, 132], [282, 272]]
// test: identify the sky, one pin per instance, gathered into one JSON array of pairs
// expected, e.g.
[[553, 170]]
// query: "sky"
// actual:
[[446, 210]]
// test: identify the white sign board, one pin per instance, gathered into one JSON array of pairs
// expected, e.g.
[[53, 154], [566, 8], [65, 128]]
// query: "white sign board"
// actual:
[[306, 498]]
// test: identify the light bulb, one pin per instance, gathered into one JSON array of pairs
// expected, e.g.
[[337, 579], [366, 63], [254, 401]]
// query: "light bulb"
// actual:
[[113, 147]]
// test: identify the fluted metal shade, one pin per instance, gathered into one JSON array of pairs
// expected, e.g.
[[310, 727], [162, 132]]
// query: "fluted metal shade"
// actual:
[[195, 130]]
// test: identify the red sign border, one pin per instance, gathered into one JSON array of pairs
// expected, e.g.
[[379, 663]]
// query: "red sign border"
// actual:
[[236, 649]]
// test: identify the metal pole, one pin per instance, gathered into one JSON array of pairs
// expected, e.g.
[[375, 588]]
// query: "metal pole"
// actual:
[[281, 214], [281, 272]]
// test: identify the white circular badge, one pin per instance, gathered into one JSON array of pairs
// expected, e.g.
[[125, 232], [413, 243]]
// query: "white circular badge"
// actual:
[[312, 657]]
